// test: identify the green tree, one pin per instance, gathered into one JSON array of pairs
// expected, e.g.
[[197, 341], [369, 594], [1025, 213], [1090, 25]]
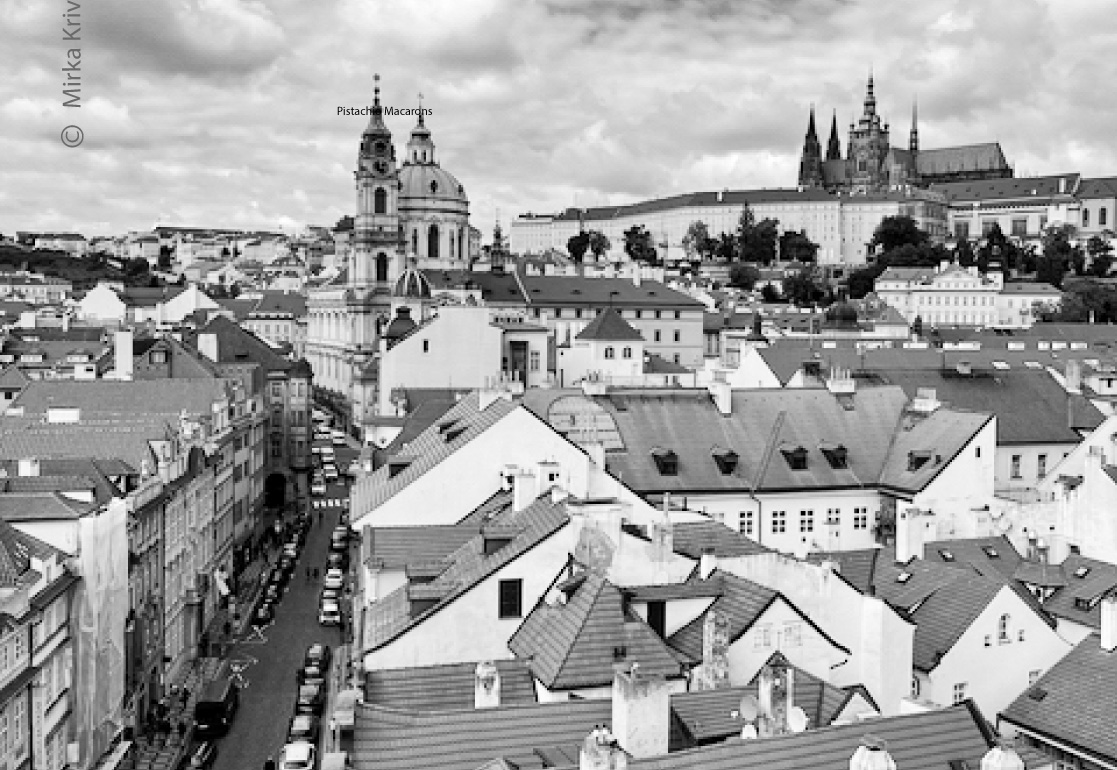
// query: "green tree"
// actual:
[[135, 267], [896, 231], [797, 247], [770, 293], [345, 223], [964, 253], [164, 257], [599, 244], [638, 245], [743, 275], [578, 245], [696, 240], [917, 326], [725, 248], [1101, 256], [804, 286], [862, 281]]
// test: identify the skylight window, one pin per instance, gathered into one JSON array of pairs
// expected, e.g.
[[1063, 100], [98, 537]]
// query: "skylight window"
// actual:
[[1081, 572], [837, 456], [991, 552], [946, 555], [796, 458], [666, 461], [903, 577], [726, 460], [917, 460]]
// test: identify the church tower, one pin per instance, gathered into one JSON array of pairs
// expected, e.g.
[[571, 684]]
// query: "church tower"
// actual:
[[810, 165], [376, 226], [420, 148], [913, 137], [834, 146], [868, 148]]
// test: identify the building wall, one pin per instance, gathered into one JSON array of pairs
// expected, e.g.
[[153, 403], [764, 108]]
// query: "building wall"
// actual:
[[674, 334], [967, 482], [1019, 467], [970, 661], [781, 629]]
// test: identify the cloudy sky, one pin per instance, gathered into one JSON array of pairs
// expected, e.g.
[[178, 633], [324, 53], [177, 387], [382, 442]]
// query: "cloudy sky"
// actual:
[[223, 113]]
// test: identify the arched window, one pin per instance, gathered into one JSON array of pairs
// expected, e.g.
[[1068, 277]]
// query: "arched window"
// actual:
[[381, 267], [626, 353], [461, 254], [434, 187], [609, 352], [1002, 630], [415, 241], [432, 242], [1085, 217], [1102, 218], [380, 201], [424, 156]]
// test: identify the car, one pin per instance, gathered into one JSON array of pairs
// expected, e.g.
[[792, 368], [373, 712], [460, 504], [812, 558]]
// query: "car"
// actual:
[[311, 699], [304, 728], [343, 518], [279, 576], [298, 756], [337, 561], [338, 438], [329, 613], [273, 592], [203, 756], [310, 674], [318, 655], [286, 563], [263, 615], [338, 545], [318, 488], [291, 550], [328, 454], [331, 595], [335, 578], [330, 472]]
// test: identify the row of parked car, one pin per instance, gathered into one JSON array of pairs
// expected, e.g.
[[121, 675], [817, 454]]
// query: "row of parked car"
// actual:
[[337, 565], [280, 575]]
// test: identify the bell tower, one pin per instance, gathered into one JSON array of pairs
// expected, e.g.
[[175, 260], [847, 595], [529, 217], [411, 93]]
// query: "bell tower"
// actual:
[[376, 226]]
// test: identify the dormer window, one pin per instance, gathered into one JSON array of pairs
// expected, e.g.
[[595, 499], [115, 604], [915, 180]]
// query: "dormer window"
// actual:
[[917, 460], [1082, 603], [796, 458], [946, 555], [666, 461], [1081, 572], [397, 465], [991, 552], [903, 577], [726, 460], [837, 456]]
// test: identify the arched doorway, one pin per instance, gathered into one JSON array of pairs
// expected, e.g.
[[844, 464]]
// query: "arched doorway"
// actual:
[[382, 267], [275, 491], [432, 242], [380, 201]]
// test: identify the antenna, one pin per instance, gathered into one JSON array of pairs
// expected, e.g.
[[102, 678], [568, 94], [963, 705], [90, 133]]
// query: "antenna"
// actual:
[[797, 720]]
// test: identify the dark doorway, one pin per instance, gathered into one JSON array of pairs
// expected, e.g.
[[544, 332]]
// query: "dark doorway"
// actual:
[[275, 491], [517, 353], [381, 267]]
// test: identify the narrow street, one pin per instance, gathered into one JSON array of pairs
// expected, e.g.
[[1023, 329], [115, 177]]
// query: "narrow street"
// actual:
[[268, 698]]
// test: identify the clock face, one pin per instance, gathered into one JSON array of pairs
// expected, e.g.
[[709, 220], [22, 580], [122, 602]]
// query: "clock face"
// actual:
[[380, 148], [381, 167]]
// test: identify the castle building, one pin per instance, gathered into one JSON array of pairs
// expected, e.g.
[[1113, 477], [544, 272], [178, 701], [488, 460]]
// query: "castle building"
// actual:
[[410, 212], [872, 164]]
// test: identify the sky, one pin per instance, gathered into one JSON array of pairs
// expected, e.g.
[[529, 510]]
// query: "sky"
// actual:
[[223, 113]]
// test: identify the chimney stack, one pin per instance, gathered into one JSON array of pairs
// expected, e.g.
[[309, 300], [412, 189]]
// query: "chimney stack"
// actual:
[[872, 754], [523, 490], [486, 690], [1073, 376], [722, 394], [1109, 622], [600, 751], [641, 712], [776, 697], [122, 349], [708, 562], [910, 529], [28, 466]]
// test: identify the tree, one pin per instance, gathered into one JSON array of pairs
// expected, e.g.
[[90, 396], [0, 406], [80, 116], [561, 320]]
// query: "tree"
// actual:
[[1101, 256], [862, 281], [770, 293], [896, 231], [964, 253], [797, 247], [578, 245], [917, 326], [599, 244], [136, 267], [743, 275], [759, 243], [164, 262], [345, 223], [725, 248], [1051, 269], [1059, 255], [638, 245], [804, 287], [696, 240]]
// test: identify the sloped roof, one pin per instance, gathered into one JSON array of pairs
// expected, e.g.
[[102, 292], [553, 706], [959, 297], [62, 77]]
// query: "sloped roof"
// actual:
[[1032, 188], [968, 157], [574, 291], [741, 602], [236, 345], [13, 378], [608, 326], [990, 556], [1098, 187], [568, 646], [690, 538], [143, 296], [1074, 702], [946, 614], [110, 437], [97, 398], [396, 547], [240, 308], [858, 567], [422, 416], [657, 364], [943, 434], [41, 506], [291, 303], [445, 688], [1097, 578]]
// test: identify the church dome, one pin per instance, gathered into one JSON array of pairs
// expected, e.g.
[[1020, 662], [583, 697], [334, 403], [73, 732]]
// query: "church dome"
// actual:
[[412, 284], [401, 325], [430, 183]]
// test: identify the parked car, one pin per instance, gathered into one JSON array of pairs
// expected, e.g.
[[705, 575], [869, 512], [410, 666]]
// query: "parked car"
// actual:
[[343, 519], [273, 592], [337, 560], [330, 472], [328, 454], [310, 675], [319, 655], [287, 564], [338, 438], [291, 549], [298, 756], [264, 614], [335, 578], [311, 699], [215, 708], [279, 576], [331, 595], [305, 728], [345, 707], [329, 613], [318, 488]]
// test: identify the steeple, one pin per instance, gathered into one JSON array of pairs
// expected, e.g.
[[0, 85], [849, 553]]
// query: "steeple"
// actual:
[[810, 163], [834, 146], [420, 148], [376, 128], [870, 98], [811, 134], [913, 137]]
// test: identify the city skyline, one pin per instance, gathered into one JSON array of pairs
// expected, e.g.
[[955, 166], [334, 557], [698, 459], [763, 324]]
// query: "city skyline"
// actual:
[[219, 114]]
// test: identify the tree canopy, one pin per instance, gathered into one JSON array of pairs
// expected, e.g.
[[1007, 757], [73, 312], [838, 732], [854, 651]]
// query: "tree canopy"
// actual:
[[797, 247], [578, 245], [896, 231], [697, 243], [744, 275], [638, 245], [599, 244]]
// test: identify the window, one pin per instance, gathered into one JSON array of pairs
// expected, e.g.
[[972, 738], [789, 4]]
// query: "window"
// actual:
[[915, 687], [746, 523], [380, 201], [578, 312], [158, 357], [666, 461], [626, 353], [988, 640], [763, 637], [792, 634], [1085, 217], [833, 516], [657, 335], [796, 458], [639, 313], [861, 518], [837, 456], [1020, 227], [977, 451], [1033, 677], [1020, 635], [1102, 218], [806, 521], [511, 598], [609, 352], [987, 226], [676, 335], [675, 358], [1002, 630], [959, 692], [779, 522], [961, 229], [1041, 466], [659, 314], [533, 358], [426, 346], [1015, 467]]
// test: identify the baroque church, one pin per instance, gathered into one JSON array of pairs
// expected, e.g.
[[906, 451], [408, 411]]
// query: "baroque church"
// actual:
[[411, 214], [871, 164]]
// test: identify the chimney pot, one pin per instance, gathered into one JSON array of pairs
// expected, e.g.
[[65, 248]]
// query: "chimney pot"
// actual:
[[486, 693], [708, 562]]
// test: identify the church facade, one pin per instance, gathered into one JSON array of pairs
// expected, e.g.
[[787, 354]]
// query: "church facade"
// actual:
[[410, 214], [871, 164]]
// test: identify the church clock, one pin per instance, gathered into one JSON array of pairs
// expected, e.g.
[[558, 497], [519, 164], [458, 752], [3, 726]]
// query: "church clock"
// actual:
[[381, 167]]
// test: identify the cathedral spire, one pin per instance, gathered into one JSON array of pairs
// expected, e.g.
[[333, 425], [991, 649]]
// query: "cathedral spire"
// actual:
[[913, 137], [834, 146], [376, 90], [421, 108], [870, 98], [810, 126]]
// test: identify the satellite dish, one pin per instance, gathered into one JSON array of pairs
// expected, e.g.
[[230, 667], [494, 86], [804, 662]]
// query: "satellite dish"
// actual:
[[796, 720], [749, 731], [750, 708]]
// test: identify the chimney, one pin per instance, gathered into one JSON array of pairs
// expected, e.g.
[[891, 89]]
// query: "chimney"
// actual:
[[663, 540], [29, 466], [1109, 622], [708, 562], [123, 351], [486, 689], [1073, 376], [1062, 185], [65, 322], [723, 397], [207, 345], [547, 474], [872, 754], [600, 751], [775, 697], [1002, 757], [713, 674], [636, 277], [910, 527], [523, 490], [641, 713]]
